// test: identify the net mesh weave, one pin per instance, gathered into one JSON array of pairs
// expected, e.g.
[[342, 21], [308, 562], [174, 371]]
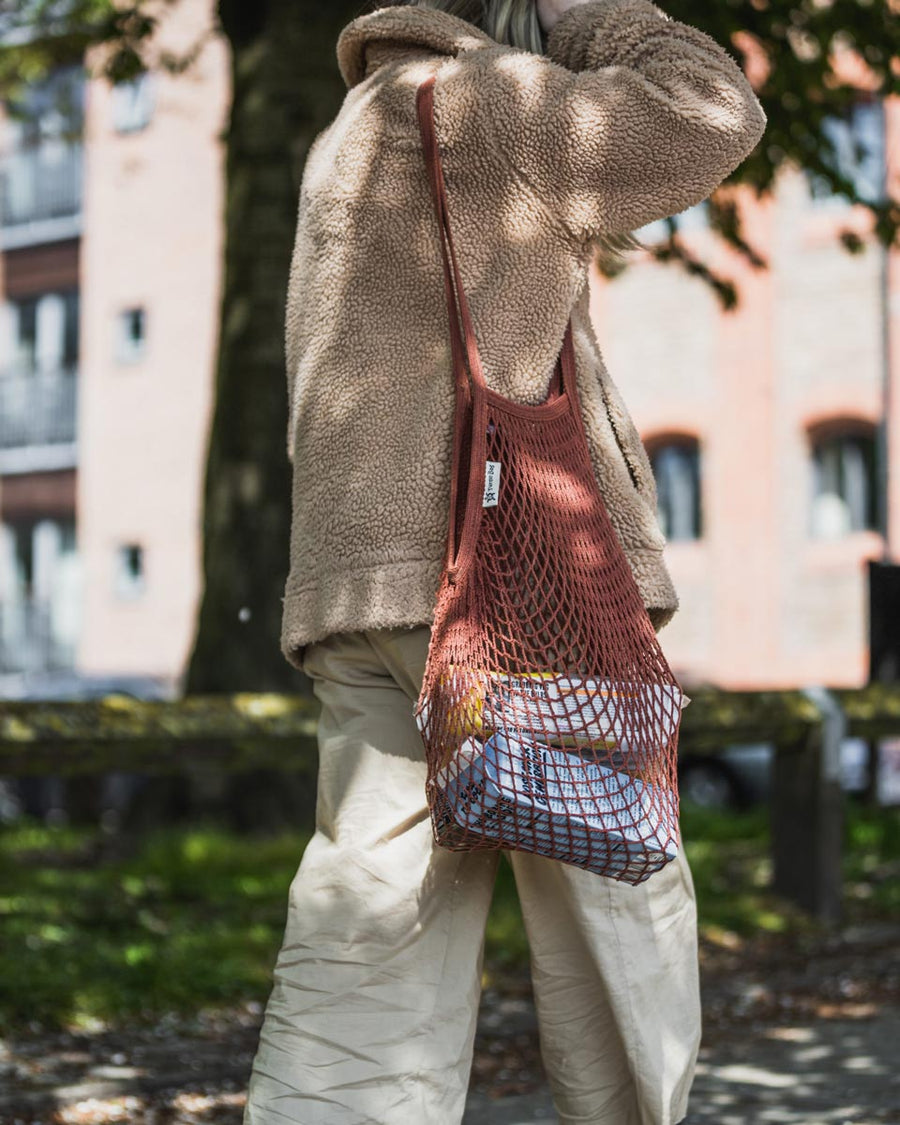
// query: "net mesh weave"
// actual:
[[549, 713]]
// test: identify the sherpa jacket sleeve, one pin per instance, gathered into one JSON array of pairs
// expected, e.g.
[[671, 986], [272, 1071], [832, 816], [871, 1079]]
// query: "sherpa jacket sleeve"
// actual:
[[630, 117]]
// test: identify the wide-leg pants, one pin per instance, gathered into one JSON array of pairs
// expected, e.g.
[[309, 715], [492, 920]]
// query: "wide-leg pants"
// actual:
[[371, 1017]]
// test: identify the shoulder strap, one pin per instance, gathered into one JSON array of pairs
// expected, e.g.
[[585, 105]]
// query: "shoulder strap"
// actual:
[[457, 305], [465, 343]]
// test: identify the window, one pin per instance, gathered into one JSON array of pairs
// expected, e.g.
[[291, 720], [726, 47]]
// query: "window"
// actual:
[[18, 561], [23, 343], [131, 335], [49, 110], [40, 593], [858, 142], [132, 104], [70, 329], [676, 467], [844, 490], [129, 579], [33, 552], [40, 172], [694, 218], [39, 334]]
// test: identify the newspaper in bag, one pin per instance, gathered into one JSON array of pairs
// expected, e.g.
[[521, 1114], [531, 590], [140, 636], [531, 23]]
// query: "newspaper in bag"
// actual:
[[521, 791]]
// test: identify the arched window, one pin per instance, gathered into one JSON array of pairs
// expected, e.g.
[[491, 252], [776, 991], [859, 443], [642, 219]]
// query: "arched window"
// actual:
[[676, 467], [844, 484]]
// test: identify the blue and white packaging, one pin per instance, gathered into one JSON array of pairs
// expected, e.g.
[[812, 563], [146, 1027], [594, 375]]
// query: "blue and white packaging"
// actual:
[[555, 803]]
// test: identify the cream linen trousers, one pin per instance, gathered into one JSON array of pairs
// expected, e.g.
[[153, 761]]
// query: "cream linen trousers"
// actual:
[[371, 1017]]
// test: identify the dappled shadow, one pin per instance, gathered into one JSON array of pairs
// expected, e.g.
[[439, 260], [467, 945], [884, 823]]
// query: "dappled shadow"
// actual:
[[803, 1073], [188, 1071], [827, 1071]]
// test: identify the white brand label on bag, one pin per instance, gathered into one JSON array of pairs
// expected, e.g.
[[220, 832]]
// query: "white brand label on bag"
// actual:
[[491, 484]]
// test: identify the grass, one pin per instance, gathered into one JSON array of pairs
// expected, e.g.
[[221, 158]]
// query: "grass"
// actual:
[[191, 921], [195, 918]]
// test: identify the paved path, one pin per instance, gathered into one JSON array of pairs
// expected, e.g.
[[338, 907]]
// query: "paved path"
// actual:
[[802, 1072], [832, 1072]]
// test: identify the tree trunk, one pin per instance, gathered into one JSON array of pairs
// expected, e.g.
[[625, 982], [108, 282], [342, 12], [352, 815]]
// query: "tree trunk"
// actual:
[[285, 89]]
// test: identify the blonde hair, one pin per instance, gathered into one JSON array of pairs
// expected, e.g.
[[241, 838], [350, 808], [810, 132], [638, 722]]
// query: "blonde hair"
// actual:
[[515, 23]]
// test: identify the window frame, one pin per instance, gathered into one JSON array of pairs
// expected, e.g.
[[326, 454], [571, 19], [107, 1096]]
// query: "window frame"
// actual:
[[659, 444], [128, 350], [834, 432], [127, 585]]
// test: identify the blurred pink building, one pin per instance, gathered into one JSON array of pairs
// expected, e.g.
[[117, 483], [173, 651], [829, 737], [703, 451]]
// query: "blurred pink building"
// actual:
[[761, 424], [112, 241]]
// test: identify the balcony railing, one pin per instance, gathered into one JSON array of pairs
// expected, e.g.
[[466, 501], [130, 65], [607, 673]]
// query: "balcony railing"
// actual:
[[28, 640], [37, 409], [40, 183]]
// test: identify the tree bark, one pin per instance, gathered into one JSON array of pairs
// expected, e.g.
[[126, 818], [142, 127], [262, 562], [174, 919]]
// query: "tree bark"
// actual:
[[285, 89]]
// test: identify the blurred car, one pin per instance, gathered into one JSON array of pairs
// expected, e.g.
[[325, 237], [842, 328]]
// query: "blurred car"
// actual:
[[740, 775], [66, 685]]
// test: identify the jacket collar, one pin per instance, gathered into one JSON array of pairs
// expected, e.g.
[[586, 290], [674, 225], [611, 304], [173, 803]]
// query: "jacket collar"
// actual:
[[399, 30]]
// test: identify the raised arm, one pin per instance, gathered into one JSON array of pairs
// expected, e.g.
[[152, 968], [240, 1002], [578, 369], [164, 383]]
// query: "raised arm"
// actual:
[[631, 116]]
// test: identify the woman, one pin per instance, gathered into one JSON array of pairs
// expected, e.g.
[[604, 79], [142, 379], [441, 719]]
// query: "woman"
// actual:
[[551, 148]]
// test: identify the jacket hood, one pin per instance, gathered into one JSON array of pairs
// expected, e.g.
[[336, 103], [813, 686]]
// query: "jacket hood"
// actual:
[[405, 28]]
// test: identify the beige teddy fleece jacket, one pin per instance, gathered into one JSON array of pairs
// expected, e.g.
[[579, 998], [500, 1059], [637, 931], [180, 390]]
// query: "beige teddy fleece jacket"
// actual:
[[631, 116]]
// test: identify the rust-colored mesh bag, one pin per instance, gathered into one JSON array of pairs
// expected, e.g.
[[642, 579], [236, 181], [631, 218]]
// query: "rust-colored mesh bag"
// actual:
[[548, 711]]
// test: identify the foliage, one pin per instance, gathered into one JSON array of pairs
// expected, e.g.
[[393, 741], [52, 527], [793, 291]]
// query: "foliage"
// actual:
[[40, 35], [194, 918], [872, 866]]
